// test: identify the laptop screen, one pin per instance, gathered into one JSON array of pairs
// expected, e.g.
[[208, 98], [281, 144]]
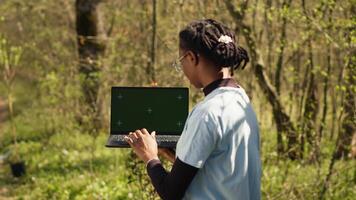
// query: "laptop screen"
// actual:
[[159, 109]]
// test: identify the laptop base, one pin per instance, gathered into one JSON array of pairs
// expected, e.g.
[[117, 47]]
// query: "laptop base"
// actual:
[[165, 141]]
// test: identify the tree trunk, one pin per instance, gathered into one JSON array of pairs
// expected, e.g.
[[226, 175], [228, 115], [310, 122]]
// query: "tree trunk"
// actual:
[[326, 88], [91, 46], [283, 122], [151, 67], [348, 123], [294, 94], [326, 80], [337, 96], [311, 111], [311, 105], [283, 37], [269, 34]]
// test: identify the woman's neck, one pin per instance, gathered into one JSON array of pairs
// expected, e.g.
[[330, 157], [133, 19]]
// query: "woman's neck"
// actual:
[[209, 78]]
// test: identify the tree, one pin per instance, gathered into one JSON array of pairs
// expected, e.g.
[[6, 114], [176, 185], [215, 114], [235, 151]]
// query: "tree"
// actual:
[[9, 60], [348, 129], [91, 46], [152, 63], [283, 121], [283, 37]]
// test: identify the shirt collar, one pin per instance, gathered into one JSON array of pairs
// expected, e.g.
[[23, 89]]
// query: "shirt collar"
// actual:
[[227, 82]]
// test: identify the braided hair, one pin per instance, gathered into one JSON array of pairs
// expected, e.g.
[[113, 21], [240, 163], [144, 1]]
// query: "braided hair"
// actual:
[[203, 37]]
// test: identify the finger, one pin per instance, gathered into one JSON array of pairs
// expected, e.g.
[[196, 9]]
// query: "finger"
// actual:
[[139, 135], [128, 140], [144, 131], [138, 132], [134, 136], [129, 136], [153, 134]]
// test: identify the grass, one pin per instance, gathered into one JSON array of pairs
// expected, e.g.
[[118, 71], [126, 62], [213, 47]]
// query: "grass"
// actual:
[[60, 165], [285, 179], [60, 169]]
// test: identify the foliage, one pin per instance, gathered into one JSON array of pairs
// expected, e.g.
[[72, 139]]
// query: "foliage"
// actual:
[[65, 162]]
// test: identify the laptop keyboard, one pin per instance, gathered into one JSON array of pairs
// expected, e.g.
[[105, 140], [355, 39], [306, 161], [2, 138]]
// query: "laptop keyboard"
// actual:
[[162, 140]]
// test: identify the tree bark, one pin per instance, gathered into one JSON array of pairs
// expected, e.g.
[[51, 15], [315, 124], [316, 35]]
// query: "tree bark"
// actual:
[[337, 96], [326, 79], [286, 4], [269, 34], [283, 122], [311, 105], [348, 129], [326, 89], [311, 111], [151, 67], [91, 46]]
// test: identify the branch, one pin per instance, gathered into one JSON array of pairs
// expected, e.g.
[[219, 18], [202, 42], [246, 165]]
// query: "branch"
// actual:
[[237, 13]]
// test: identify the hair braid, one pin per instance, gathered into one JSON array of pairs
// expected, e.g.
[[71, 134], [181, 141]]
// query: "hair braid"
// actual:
[[202, 37]]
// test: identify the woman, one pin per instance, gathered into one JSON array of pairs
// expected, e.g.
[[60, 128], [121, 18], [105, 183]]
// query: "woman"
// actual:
[[217, 155]]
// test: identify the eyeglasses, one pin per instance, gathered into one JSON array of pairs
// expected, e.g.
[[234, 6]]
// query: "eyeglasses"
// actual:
[[177, 64]]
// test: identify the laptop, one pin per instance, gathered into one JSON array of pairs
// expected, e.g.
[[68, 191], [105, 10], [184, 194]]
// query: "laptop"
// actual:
[[160, 109]]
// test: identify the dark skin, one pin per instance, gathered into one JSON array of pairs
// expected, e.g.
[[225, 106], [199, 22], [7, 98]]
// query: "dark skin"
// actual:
[[200, 72]]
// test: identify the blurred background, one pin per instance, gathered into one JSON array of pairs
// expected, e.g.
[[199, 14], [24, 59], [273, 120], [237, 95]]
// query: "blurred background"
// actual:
[[59, 59]]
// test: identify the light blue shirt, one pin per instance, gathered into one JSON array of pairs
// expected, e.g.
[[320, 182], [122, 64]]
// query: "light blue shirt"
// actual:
[[221, 138]]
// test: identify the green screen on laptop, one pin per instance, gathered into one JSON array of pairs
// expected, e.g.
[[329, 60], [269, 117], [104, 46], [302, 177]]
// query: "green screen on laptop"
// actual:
[[163, 110]]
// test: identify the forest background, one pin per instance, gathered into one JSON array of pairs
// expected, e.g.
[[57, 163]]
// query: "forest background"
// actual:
[[59, 59]]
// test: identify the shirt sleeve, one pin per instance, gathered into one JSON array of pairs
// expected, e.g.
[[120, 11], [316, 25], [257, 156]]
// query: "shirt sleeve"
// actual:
[[174, 184], [198, 140]]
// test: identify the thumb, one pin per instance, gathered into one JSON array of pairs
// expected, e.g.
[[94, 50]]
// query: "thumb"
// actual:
[[153, 134]]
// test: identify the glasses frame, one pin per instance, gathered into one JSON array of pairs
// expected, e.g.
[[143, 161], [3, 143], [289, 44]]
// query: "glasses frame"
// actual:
[[177, 64]]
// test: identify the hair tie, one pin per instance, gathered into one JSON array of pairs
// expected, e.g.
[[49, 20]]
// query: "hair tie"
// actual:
[[225, 39]]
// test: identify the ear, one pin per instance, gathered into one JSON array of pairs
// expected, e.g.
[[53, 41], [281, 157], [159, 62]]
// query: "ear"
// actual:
[[193, 57]]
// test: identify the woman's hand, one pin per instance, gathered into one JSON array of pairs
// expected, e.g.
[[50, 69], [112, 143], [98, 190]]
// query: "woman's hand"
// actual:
[[143, 144], [167, 153]]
